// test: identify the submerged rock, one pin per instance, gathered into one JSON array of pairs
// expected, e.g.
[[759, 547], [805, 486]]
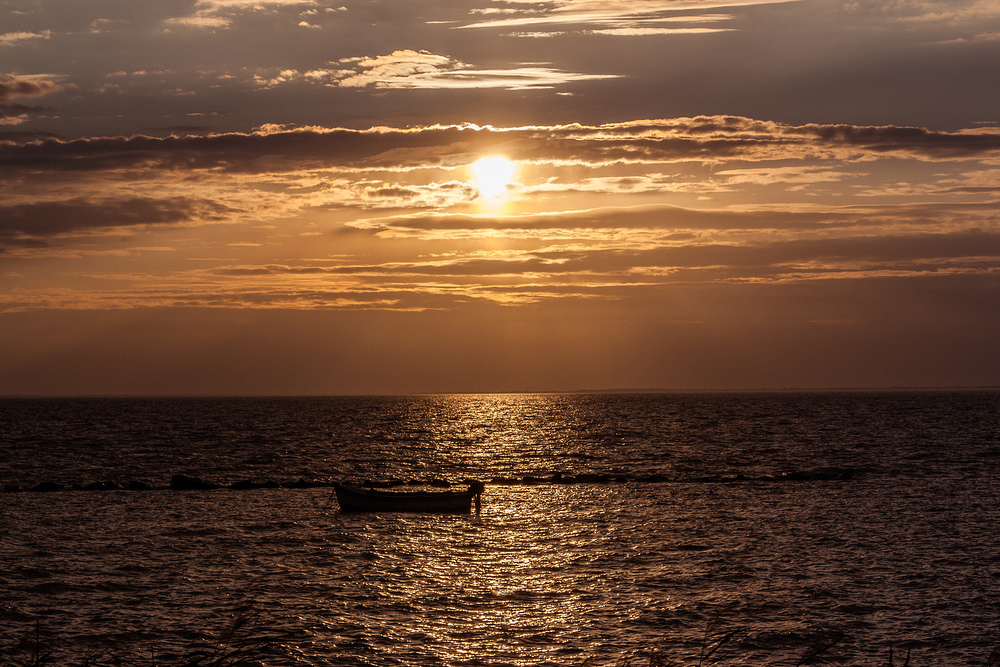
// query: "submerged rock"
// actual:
[[591, 478], [504, 481], [102, 486], [46, 487], [185, 483]]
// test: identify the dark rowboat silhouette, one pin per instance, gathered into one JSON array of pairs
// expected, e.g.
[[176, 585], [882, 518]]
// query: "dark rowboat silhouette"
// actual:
[[358, 499]]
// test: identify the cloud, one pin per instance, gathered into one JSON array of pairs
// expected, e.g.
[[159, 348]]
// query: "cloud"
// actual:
[[407, 69], [12, 38], [14, 86], [645, 32], [24, 135], [252, 4], [672, 221], [531, 276], [927, 11], [11, 118], [395, 69], [593, 205], [705, 139], [612, 17], [938, 21], [915, 252], [200, 21], [25, 224], [966, 251], [212, 14], [785, 175]]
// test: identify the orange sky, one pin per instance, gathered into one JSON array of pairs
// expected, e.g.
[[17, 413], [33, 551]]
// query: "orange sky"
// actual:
[[281, 197]]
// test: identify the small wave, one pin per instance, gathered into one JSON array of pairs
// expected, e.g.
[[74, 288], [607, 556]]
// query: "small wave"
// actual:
[[9, 612], [33, 573], [116, 587], [856, 609], [194, 532], [55, 588], [132, 567]]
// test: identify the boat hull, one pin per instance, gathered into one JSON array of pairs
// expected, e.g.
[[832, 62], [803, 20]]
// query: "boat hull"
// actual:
[[357, 499]]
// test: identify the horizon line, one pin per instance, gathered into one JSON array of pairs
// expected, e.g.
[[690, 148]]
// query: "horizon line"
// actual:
[[611, 391]]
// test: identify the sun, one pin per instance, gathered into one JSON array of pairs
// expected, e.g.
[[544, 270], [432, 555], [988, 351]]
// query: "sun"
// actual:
[[493, 176]]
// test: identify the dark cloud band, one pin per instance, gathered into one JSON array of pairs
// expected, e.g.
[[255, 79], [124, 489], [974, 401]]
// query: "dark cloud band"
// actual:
[[708, 139]]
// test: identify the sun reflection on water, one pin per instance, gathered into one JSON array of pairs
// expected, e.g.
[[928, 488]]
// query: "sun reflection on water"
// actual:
[[510, 583]]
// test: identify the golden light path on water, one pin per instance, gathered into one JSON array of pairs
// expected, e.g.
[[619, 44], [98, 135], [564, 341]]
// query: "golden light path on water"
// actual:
[[503, 574], [515, 583]]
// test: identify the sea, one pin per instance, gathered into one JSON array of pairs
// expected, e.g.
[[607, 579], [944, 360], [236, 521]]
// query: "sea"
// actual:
[[773, 528]]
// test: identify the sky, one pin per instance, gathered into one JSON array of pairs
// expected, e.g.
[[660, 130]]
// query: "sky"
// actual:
[[264, 197]]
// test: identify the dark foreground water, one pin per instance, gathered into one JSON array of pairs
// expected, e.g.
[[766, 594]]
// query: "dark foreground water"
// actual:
[[788, 519]]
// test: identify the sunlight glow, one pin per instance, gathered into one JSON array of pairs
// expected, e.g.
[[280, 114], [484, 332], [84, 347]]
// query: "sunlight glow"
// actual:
[[493, 176]]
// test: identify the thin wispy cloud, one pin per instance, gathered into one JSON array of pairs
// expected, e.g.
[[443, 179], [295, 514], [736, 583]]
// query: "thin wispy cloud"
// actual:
[[953, 22], [642, 32], [928, 11], [615, 17], [206, 21], [253, 4], [12, 38], [414, 70], [213, 14]]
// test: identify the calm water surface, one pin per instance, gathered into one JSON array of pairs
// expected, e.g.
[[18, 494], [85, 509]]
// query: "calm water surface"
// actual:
[[749, 533]]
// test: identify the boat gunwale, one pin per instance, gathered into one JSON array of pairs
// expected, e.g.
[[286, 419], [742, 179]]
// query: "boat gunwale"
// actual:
[[382, 493]]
